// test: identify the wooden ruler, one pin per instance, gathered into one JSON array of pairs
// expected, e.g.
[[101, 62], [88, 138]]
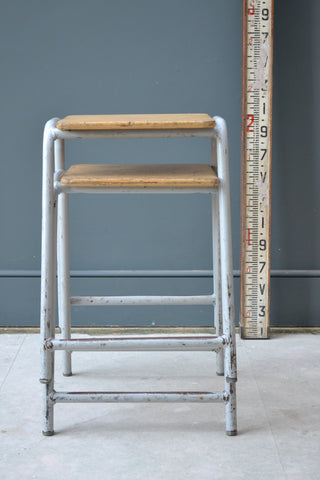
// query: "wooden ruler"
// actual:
[[256, 168]]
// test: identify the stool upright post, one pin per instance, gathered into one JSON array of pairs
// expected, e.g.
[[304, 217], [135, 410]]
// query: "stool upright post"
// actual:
[[227, 294], [216, 260], [63, 265], [48, 275]]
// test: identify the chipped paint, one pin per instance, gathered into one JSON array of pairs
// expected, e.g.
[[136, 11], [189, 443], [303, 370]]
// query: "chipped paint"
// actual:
[[263, 187], [260, 81]]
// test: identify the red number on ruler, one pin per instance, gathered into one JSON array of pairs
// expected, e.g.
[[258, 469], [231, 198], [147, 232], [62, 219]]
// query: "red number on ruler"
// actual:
[[248, 239], [251, 10], [250, 118]]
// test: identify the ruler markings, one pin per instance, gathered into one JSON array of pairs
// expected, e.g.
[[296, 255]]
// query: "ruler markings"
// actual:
[[256, 167]]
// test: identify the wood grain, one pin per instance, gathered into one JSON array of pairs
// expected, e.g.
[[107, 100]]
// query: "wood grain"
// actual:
[[140, 176], [136, 122]]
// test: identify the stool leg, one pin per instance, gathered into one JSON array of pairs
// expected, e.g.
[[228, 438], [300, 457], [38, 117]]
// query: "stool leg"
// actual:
[[63, 261], [216, 266], [227, 276], [217, 280], [48, 277]]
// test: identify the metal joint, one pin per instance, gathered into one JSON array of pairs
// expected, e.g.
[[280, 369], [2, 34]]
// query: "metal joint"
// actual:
[[56, 183], [47, 345], [226, 397], [231, 379], [44, 381], [50, 130], [225, 340], [51, 397]]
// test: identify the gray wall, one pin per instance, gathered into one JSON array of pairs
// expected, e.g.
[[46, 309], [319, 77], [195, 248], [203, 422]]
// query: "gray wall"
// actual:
[[74, 57]]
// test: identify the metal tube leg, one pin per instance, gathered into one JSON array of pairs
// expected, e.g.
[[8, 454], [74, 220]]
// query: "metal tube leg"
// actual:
[[217, 280], [231, 409], [48, 276], [48, 404], [216, 264], [63, 263], [227, 293]]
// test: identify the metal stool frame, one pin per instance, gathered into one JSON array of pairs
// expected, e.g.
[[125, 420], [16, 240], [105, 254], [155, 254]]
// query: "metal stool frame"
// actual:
[[55, 250]]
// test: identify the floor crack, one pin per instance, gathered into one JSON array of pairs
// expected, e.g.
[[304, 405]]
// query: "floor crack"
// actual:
[[13, 361]]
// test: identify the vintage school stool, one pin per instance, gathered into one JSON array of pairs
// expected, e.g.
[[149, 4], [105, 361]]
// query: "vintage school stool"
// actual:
[[58, 183]]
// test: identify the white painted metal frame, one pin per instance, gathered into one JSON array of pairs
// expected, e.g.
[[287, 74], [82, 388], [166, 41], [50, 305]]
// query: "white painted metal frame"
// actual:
[[55, 247]]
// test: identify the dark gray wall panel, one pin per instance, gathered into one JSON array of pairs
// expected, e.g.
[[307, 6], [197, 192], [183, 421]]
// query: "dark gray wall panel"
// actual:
[[287, 308], [144, 57], [296, 150]]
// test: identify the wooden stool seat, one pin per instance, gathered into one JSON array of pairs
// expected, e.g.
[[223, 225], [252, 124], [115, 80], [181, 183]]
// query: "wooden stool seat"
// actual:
[[140, 176], [136, 122]]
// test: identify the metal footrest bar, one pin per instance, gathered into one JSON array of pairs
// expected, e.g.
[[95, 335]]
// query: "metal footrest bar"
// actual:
[[138, 397], [145, 300], [196, 343]]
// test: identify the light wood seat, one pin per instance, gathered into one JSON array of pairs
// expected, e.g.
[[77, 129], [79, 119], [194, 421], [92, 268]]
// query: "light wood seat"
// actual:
[[140, 176], [136, 122]]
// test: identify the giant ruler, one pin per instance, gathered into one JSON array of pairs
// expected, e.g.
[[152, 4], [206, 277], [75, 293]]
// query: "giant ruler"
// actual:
[[256, 168]]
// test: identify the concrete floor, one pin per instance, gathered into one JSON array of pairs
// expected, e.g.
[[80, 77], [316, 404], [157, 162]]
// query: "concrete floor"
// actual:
[[278, 415]]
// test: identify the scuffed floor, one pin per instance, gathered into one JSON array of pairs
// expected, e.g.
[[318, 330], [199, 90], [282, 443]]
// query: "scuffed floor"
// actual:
[[278, 415]]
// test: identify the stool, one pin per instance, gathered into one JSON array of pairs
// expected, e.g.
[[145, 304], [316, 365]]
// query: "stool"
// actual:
[[58, 183]]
